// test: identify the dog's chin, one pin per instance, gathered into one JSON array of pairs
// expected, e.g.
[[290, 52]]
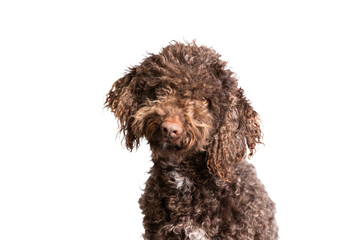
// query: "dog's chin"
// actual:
[[168, 149], [173, 152], [170, 146]]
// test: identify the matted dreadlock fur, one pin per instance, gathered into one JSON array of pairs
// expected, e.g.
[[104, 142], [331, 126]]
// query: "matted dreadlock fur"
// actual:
[[201, 186]]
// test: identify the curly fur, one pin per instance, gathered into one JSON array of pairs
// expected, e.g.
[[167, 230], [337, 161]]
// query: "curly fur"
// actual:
[[201, 185]]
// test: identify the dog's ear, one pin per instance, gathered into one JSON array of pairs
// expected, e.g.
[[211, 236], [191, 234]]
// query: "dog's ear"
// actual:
[[121, 100], [249, 128], [237, 133]]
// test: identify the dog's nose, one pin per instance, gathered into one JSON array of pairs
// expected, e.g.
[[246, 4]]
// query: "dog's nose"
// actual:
[[171, 129]]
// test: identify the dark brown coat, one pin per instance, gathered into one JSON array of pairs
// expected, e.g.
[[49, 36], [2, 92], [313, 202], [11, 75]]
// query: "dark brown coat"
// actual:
[[201, 185]]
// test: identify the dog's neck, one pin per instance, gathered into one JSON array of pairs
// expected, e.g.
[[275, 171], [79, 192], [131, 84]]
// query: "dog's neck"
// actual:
[[193, 162]]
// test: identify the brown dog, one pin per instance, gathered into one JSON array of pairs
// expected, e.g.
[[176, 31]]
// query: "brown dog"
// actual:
[[200, 127]]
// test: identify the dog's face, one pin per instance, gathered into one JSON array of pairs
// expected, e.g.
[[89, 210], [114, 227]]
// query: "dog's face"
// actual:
[[175, 120], [184, 101]]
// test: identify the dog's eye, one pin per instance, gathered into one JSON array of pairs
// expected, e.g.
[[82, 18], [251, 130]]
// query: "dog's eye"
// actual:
[[204, 100]]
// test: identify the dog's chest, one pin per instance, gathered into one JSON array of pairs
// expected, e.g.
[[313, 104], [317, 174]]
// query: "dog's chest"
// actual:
[[179, 181], [184, 203]]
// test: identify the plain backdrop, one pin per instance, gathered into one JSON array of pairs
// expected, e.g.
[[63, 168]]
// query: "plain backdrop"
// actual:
[[63, 171]]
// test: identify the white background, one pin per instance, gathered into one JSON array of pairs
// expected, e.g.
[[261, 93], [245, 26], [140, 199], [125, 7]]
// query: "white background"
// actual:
[[65, 175]]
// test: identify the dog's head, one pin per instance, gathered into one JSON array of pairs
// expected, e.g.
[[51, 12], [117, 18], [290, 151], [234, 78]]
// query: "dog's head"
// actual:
[[184, 101]]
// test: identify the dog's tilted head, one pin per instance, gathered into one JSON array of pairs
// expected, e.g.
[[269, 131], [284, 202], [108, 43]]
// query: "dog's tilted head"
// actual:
[[184, 101]]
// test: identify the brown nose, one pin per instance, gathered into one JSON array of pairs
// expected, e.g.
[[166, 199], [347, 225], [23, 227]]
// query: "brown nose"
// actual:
[[171, 129]]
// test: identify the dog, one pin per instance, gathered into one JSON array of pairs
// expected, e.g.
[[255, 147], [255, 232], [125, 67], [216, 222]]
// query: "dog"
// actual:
[[201, 130]]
